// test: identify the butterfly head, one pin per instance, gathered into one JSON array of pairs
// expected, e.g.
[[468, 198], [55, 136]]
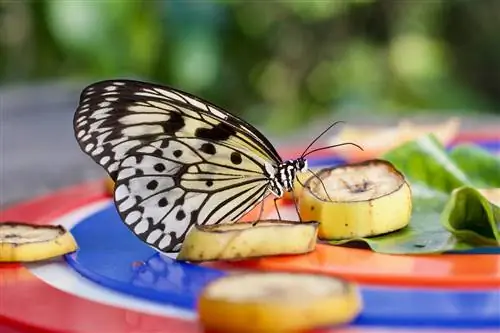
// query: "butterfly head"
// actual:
[[300, 164]]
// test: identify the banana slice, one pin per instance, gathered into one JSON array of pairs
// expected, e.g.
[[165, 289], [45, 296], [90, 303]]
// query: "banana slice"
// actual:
[[277, 302], [23, 242], [245, 240], [362, 199]]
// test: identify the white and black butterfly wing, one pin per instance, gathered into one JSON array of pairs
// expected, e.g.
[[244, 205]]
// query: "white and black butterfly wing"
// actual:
[[114, 117], [176, 159], [160, 205]]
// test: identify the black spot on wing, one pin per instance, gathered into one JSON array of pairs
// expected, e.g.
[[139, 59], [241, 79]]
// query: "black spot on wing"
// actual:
[[163, 202], [208, 148], [155, 153], [179, 202], [220, 132], [180, 215], [164, 144], [159, 167], [236, 158], [152, 185], [138, 159], [174, 124]]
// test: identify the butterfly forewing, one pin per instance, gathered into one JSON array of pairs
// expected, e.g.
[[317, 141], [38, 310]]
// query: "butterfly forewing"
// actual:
[[202, 105], [177, 160], [114, 117]]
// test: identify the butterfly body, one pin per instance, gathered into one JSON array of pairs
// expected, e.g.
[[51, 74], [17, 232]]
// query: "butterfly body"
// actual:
[[282, 180], [176, 159]]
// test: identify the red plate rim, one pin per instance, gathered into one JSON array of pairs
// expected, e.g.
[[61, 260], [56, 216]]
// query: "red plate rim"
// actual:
[[35, 306]]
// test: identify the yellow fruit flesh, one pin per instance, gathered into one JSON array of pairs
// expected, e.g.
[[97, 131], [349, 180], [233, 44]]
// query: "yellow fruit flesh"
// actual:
[[21, 242], [371, 203], [245, 240], [277, 302]]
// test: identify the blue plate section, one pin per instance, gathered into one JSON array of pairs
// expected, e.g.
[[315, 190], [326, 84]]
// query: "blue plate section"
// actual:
[[491, 145], [112, 256], [330, 161]]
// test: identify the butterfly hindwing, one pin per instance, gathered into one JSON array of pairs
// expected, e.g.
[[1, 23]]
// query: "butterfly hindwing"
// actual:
[[160, 196]]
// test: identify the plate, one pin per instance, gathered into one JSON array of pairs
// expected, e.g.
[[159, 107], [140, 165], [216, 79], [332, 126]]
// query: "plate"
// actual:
[[116, 283], [113, 257]]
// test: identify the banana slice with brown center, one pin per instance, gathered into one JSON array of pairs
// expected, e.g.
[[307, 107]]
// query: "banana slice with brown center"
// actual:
[[357, 200], [277, 302], [24, 242]]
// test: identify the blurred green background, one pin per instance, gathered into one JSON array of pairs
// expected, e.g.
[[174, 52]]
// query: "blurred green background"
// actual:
[[278, 63]]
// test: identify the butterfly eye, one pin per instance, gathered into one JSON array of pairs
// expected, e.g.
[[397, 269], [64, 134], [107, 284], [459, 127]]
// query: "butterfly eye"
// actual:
[[301, 165]]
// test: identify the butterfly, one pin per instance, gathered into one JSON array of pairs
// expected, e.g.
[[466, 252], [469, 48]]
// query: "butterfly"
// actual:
[[176, 159]]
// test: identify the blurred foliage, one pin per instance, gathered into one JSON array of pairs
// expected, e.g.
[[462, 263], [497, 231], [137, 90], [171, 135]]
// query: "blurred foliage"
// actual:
[[279, 62]]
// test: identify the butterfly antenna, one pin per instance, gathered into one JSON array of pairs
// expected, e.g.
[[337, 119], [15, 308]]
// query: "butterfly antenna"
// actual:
[[322, 184], [332, 146], [319, 136]]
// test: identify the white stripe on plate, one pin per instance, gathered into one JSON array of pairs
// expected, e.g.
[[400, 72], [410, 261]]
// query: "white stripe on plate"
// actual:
[[59, 275]]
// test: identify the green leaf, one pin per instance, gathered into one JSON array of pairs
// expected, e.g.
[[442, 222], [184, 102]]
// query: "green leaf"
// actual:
[[472, 218], [426, 163], [448, 213], [481, 166]]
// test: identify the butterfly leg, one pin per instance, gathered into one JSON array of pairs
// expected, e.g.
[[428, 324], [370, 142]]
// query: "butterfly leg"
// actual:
[[260, 214], [296, 206], [276, 206]]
